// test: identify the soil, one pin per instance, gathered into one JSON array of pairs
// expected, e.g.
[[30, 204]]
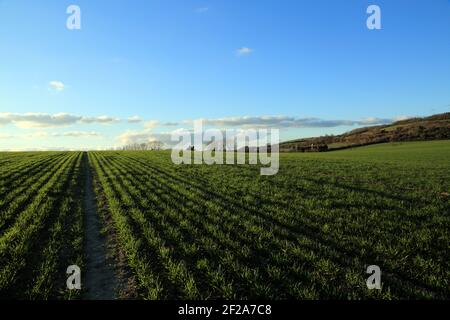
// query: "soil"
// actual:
[[99, 279]]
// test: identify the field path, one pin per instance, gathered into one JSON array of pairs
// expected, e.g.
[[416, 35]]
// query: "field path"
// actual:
[[100, 280]]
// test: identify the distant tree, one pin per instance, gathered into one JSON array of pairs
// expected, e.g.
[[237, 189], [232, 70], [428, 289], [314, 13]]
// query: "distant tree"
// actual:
[[152, 145], [155, 145]]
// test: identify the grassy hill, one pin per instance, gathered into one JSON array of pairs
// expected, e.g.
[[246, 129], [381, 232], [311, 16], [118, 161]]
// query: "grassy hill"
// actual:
[[436, 127]]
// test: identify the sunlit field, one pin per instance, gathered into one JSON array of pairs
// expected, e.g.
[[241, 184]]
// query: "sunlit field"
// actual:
[[225, 231]]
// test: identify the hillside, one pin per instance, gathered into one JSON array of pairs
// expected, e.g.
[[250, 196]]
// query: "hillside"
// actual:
[[436, 127]]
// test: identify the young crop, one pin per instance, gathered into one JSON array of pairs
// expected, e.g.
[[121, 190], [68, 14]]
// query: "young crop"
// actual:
[[309, 232], [226, 232], [40, 225]]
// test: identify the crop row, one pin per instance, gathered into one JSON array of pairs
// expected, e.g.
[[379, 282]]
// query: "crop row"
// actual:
[[41, 226], [225, 232]]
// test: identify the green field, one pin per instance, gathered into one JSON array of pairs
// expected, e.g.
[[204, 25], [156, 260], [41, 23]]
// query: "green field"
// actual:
[[41, 222], [225, 231]]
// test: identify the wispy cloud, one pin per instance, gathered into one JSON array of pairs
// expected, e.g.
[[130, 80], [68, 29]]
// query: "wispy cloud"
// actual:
[[151, 124], [57, 85], [145, 136], [288, 122], [202, 10], [400, 118], [244, 51], [170, 124], [45, 120], [134, 119], [32, 135], [77, 134], [38, 120], [130, 137], [100, 119]]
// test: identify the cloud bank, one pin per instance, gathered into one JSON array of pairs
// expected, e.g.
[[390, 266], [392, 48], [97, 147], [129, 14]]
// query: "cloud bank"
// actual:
[[45, 120], [78, 134], [151, 130], [289, 122]]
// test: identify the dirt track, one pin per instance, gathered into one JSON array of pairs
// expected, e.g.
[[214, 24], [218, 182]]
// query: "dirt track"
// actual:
[[99, 279]]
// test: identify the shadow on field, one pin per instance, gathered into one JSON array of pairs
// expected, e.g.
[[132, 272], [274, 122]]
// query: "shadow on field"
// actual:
[[348, 258]]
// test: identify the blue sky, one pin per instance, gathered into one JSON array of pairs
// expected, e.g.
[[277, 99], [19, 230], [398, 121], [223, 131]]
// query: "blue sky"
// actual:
[[176, 60]]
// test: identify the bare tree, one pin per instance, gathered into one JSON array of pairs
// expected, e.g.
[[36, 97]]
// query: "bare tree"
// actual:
[[152, 145]]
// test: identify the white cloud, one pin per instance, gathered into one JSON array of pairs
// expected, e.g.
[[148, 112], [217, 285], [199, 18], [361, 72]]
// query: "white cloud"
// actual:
[[45, 120], [151, 124], [144, 136], [244, 51], [401, 118], [170, 124], [220, 136], [81, 134], [34, 135], [57, 85], [130, 137], [202, 10], [240, 123], [38, 120], [100, 119], [287, 122], [134, 119]]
